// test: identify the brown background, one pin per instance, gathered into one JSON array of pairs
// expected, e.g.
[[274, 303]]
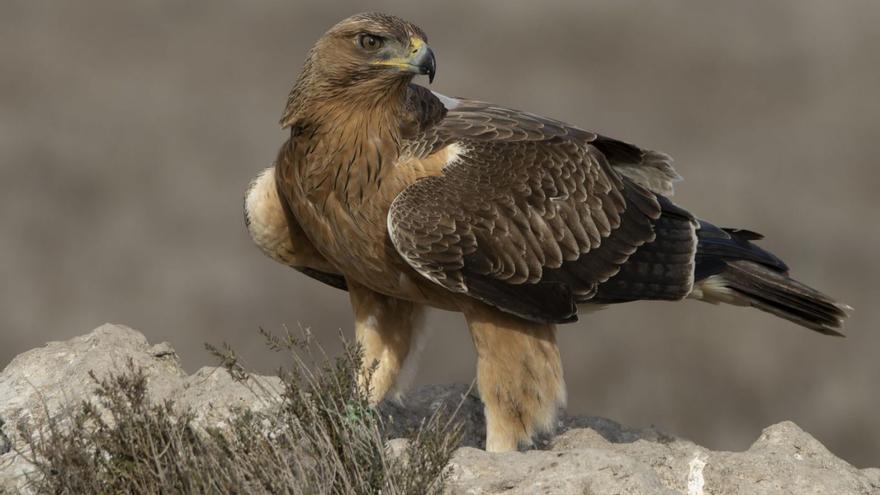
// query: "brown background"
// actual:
[[129, 131]]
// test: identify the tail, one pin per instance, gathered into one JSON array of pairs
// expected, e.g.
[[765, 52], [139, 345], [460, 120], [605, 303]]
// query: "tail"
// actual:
[[731, 269]]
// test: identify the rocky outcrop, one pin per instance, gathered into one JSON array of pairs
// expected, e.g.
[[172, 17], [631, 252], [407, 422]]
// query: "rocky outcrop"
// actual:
[[590, 455], [784, 459], [46, 380]]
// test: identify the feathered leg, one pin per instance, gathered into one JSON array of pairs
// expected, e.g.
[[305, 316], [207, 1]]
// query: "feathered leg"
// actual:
[[385, 328], [519, 374]]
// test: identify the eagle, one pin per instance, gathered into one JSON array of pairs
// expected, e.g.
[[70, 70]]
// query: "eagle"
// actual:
[[410, 199]]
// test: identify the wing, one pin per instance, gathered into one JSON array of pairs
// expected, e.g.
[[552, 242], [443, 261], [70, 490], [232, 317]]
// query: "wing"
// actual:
[[530, 217], [651, 169]]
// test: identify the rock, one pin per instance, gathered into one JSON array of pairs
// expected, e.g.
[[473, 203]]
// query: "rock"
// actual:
[[589, 455], [212, 394], [406, 416], [46, 380], [586, 470], [396, 448], [595, 455], [5, 445], [873, 475]]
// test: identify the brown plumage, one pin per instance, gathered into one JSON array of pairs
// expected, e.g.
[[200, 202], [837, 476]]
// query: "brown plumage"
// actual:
[[408, 199]]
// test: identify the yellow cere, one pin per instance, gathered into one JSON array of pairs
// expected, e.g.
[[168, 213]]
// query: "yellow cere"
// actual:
[[404, 62]]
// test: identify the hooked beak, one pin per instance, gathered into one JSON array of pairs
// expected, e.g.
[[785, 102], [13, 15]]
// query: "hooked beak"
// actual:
[[419, 60], [423, 61]]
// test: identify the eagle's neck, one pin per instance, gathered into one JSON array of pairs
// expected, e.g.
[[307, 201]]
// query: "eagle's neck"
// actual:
[[349, 141]]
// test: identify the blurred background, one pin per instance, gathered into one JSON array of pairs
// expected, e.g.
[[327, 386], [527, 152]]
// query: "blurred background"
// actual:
[[130, 130]]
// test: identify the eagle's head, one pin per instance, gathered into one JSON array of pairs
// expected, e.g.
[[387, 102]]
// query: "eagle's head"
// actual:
[[372, 48], [361, 59]]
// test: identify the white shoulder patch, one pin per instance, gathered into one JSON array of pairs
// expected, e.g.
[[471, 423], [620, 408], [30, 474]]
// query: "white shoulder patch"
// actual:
[[449, 103], [265, 218], [454, 152]]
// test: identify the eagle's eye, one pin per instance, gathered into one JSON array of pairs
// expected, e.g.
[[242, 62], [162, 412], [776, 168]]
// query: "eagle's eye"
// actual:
[[370, 42]]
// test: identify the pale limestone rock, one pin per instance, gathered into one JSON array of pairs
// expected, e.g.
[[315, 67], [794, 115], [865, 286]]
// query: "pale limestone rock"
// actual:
[[589, 455], [45, 380]]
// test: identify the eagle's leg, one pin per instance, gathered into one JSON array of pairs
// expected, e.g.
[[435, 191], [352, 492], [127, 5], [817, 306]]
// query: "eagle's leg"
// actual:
[[385, 328], [519, 375]]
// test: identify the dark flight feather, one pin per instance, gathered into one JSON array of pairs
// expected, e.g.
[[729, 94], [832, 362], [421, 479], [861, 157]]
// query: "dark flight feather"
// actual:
[[331, 279], [662, 269]]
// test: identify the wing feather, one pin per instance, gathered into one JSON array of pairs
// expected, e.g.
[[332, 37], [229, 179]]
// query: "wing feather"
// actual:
[[530, 212], [651, 169]]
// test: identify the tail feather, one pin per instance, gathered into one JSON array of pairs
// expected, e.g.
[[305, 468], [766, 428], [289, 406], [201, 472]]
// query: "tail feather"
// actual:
[[785, 297], [732, 270], [717, 246]]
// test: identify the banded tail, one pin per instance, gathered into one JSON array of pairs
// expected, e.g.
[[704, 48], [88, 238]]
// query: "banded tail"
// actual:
[[729, 268]]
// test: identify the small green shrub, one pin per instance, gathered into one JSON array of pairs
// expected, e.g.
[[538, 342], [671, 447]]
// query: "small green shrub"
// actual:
[[320, 437]]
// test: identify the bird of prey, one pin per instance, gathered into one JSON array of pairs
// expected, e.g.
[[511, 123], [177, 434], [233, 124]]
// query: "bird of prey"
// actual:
[[407, 198]]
